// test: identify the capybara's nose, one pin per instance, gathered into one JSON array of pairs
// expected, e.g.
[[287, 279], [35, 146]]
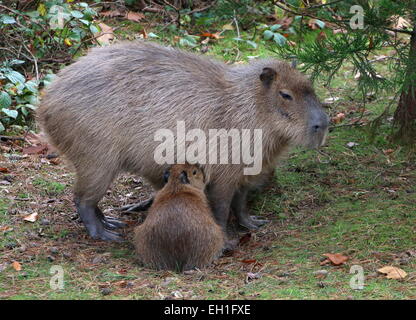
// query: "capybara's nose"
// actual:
[[320, 122]]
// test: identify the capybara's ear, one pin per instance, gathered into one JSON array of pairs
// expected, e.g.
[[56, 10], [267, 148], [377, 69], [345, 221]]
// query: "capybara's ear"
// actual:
[[166, 175], [183, 177], [268, 76]]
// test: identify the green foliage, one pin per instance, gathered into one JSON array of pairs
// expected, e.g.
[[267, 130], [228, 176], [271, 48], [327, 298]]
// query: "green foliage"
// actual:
[[18, 97], [54, 31]]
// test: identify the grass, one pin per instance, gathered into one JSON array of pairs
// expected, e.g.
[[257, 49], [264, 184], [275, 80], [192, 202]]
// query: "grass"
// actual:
[[358, 201]]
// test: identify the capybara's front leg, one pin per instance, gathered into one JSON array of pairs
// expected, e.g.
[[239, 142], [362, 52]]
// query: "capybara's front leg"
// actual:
[[220, 198], [241, 212], [97, 225]]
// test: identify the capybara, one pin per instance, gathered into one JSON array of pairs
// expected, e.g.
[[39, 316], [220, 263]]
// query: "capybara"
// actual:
[[179, 232], [103, 112]]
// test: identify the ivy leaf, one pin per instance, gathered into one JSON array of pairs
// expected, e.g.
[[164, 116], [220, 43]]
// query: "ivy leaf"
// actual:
[[2, 128], [279, 39], [7, 19], [5, 100], [320, 23], [30, 106], [15, 77], [10, 113], [77, 14], [267, 34], [252, 43], [32, 86], [275, 27], [15, 62]]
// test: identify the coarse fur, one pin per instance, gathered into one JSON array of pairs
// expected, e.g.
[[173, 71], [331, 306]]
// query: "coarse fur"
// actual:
[[103, 111], [179, 232]]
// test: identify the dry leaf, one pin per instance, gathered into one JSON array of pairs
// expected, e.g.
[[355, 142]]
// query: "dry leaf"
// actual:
[[336, 258], [134, 16], [228, 26], [16, 266], [400, 23], [393, 272], [339, 117], [211, 35], [5, 229], [106, 35], [388, 151], [35, 149], [111, 13], [249, 261], [4, 170], [31, 217]]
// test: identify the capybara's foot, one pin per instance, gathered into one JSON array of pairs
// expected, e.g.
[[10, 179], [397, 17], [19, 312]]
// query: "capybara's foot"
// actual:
[[137, 207], [100, 232], [252, 222], [112, 223], [109, 222]]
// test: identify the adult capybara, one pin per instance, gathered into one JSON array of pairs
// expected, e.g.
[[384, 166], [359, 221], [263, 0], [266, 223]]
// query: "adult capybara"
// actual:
[[179, 232], [103, 112]]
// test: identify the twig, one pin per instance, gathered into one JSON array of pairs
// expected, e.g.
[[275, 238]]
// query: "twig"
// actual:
[[11, 138], [202, 9], [236, 25]]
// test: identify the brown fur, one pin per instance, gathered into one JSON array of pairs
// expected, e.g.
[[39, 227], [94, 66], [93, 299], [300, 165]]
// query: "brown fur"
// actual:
[[179, 232], [102, 112]]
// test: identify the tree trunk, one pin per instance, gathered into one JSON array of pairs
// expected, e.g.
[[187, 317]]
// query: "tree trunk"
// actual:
[[405, 115]]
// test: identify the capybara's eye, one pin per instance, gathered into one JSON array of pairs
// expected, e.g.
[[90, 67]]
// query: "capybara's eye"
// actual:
[[285, 95]]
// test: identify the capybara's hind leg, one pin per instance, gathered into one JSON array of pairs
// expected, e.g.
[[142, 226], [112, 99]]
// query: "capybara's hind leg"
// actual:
[[88, 191], [137, 207]]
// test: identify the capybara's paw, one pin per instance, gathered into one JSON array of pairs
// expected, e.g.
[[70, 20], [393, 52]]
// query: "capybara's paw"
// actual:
[[100, 232], [112, 223], [252, 222], [137, 207]]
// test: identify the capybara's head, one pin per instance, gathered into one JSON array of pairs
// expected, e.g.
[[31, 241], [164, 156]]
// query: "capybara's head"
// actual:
[[185, 174], [291, 104]]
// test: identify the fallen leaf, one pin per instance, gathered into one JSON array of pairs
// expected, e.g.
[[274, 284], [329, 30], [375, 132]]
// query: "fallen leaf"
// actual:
[[16, 266], [144, 33], [134, 16], [4, 170], [388, 151], [31, 217], [5, 229], [336, 258], [211, 35], [331, 100], [35, 149], [228, 26], [248, 261], [106, 35], [55, 161], [339, 117], [393, 272], [352, 144], [111, 13]]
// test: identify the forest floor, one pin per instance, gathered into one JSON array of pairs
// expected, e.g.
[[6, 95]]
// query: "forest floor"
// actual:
[[355, 197]]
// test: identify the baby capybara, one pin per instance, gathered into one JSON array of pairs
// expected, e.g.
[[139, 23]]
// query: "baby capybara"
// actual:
[[179, 232]]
